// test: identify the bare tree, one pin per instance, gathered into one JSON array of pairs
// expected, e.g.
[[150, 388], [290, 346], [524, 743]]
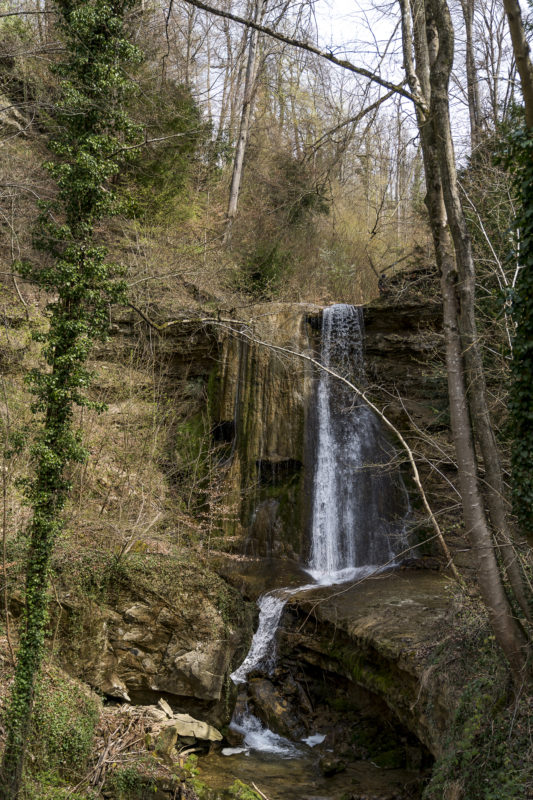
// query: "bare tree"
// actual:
[[246, 114], [474, 106], [428, 58]]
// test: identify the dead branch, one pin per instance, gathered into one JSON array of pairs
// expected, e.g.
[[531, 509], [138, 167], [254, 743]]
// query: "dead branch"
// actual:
[[311, 48]]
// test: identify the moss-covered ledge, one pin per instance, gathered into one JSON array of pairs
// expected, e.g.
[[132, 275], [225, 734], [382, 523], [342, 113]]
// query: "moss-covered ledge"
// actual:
[[382, 635]]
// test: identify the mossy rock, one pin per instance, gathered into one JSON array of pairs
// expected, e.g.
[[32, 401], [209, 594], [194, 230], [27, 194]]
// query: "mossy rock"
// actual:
[[64, 721], [391, 759], [241, 791]]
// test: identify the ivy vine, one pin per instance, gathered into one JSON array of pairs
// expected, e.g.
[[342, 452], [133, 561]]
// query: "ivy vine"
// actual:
[[90, 135], [520, 158]]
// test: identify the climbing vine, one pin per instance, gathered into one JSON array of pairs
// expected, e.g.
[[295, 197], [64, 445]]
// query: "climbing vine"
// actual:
[[521, 393], [90, 136]]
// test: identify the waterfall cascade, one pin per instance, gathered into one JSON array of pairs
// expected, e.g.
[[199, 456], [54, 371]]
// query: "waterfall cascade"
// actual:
[[359, 503], [355, 496]]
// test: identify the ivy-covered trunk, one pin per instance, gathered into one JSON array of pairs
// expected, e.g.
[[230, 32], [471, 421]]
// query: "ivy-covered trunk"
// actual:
[[521, 392], [91, 130]]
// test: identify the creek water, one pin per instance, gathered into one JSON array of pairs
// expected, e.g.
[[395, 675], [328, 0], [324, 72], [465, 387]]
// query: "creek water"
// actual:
[[359, 509]]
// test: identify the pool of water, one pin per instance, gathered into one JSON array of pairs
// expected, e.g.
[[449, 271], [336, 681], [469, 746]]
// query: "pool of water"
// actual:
[[300, 778]]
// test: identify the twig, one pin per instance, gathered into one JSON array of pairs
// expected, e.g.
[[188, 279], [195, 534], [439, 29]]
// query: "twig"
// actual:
[[260, 792]]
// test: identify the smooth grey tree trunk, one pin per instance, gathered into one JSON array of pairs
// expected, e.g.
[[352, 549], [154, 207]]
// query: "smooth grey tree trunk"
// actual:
[[474, 105], [522, 54], [422, 34], [474, 371], [246, 115]]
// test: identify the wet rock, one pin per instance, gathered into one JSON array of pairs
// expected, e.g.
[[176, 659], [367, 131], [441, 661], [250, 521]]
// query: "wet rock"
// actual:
[[331, 765], [275, 710], [383, 636], [296, 690], [233, 738], [268, 401], [390, 759]]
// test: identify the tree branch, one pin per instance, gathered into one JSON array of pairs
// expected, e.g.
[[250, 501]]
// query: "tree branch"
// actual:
[[229, 325], [22, 13], [311, 48], [351, 120]]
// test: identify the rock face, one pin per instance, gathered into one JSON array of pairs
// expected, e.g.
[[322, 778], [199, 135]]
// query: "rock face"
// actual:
[[141, 645], [404, 356], [377, 640], [260, 412], [275, 709], [264, 409], [259, 401], [351, 654]]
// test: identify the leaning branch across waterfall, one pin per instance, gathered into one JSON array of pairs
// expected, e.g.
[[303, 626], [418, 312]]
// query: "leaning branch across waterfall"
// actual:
[[244, 330]]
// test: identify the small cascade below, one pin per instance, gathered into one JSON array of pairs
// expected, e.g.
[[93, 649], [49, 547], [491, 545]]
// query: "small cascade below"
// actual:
[[258, 737], [262, 651], [359, 507]]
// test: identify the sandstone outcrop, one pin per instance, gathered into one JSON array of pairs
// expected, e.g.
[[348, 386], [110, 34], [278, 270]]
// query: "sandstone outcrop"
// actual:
[[140, 645]]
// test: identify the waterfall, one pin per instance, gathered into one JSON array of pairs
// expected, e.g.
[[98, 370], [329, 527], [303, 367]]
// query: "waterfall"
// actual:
[[262, 651], [359, 503], [356, 500]]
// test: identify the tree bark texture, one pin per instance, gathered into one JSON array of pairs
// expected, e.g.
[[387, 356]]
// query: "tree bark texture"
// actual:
[[246, 115], [440, 27], [474, 105], [522, 54], [430, 75]]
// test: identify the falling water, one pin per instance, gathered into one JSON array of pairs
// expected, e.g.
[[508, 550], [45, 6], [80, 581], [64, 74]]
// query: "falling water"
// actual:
[[357, 514], [262, 650], [359, 503]]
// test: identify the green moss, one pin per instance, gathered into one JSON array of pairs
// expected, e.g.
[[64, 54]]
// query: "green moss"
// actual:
[[390, 759], [190, 443], [214, 387], [128, 783], [46, 787], [488, 751], [376, 676], [64, 722], [240, 791]]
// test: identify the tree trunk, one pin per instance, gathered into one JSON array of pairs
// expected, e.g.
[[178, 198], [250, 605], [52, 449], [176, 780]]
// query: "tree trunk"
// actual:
[[246, 114], [522, 54], [474, 106], [421, 77], [437, 12]]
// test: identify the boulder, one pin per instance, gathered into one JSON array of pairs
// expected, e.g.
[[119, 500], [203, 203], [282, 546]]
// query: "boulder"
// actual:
[[275, 710], [331, 765], [143, 645], [185, 726]]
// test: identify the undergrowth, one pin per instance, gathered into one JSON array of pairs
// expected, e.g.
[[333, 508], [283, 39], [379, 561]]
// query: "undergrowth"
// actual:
[[62, 737], [488, 753]]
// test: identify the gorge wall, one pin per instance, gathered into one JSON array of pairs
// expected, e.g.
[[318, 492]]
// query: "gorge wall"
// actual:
[[255, 403], [266, 401]]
